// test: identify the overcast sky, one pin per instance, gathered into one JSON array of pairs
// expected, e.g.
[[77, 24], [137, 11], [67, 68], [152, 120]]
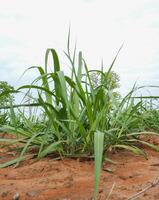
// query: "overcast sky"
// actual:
[[28, 28]]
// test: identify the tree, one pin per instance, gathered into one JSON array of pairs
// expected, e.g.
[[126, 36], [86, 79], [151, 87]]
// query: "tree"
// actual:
[[4, 87], [4, 100], [109, 80]]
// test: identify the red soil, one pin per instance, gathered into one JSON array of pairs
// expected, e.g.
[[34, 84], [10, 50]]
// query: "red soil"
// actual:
[[71, 179]]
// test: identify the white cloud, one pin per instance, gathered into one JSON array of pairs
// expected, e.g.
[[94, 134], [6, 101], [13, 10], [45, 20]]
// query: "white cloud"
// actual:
[[100, 27]]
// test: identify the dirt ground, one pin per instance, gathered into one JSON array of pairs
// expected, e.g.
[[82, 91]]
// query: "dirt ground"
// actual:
[[72, 179]]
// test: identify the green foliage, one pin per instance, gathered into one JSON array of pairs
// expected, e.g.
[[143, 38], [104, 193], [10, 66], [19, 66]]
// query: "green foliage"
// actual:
[[81, 114], [3, 118], [4, 100], [5, 87], [109, 80], [98, 150], [151, 119]]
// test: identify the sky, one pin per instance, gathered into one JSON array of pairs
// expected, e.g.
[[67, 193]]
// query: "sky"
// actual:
[[100, 27]]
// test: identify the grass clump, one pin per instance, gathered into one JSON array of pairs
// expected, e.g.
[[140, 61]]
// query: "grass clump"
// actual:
[[80, 115]]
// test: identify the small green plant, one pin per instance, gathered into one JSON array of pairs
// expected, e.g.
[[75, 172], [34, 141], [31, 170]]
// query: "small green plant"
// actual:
[[80, 116]]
